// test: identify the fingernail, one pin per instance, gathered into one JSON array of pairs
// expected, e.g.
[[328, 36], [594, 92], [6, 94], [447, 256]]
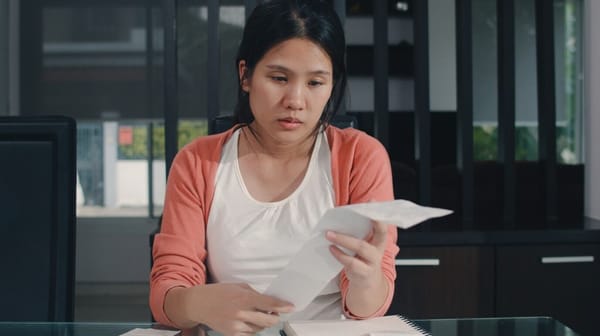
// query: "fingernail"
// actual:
[[330, 234]]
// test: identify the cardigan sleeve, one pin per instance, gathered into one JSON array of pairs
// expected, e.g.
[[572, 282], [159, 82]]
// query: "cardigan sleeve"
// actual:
[[369, 178], [179, 251]]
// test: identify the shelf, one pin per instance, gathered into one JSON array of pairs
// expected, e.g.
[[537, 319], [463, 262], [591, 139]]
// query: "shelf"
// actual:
[[400, 60], [365, 8]]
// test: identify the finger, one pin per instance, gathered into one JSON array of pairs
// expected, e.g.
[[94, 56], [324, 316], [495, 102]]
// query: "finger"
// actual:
[[258, 319], [248, 287], [267, 303], [272, 304], [245, 328], [361, 248], [379, 238], [254, 329], [350, 263]]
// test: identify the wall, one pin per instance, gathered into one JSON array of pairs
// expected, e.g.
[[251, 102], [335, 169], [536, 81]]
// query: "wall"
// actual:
[[112, 250], [3, 57], [592, 108], [442, 55], [132, 183]]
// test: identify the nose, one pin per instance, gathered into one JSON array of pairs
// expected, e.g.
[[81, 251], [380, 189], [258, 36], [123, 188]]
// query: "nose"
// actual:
[[294, 97]]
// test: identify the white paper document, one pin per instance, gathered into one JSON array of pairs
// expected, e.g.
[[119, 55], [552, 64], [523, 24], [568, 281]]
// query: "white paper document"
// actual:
[[150, 332], [314, 266]]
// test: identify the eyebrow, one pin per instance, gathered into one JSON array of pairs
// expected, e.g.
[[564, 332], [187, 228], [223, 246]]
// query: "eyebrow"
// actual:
[[284, 69]]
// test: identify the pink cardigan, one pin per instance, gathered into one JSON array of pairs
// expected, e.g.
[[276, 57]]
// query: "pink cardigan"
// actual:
[[361, 172]]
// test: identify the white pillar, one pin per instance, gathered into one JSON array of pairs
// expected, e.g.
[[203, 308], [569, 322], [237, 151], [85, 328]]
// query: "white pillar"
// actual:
[[109, 129]]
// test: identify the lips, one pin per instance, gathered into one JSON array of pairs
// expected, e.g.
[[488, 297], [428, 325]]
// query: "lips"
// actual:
[[290, 120], [289, 123]]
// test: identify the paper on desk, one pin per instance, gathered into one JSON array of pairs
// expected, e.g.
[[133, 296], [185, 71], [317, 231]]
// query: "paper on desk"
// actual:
[[150, 332], [314, 266]]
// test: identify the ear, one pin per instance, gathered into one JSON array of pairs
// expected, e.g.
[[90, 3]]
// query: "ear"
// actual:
[[243, 75]]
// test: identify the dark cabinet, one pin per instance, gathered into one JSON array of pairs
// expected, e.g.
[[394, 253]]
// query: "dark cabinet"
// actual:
[[562, 281], [555, 274], [439, 282]]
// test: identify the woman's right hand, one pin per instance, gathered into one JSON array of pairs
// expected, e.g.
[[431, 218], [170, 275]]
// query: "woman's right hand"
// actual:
[[230, 309]]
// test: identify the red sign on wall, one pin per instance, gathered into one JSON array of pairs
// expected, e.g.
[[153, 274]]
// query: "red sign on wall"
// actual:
[[125, 135]]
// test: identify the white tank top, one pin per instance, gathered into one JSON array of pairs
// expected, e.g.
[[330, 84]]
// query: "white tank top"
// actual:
[[249, 241]]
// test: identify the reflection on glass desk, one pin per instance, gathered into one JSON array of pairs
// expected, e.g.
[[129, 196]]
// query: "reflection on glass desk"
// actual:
[[509, 326], [67, 329], [519, 326]]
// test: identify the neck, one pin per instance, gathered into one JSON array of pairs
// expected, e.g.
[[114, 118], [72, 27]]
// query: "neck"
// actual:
[[261, 144]]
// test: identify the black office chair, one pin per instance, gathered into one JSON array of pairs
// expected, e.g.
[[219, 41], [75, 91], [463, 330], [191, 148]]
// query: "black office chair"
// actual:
[[37, 218]]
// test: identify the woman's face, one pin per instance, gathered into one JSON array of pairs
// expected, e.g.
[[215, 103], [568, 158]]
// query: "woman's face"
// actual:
[[288, 90]]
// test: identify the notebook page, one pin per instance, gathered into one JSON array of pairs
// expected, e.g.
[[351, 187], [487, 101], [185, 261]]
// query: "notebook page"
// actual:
[[389, 325]]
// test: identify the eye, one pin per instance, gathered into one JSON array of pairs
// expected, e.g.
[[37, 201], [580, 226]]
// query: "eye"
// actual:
[[315, 83], [281, 79]]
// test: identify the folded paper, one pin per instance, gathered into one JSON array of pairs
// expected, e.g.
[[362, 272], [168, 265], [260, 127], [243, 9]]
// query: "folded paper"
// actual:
[[314, 266]]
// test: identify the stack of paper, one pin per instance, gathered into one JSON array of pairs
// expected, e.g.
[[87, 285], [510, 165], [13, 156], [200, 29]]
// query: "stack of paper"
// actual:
[[380, 326]]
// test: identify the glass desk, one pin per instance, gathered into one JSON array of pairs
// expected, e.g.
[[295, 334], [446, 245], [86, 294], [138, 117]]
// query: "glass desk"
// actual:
[[509, 326], [520, 326]]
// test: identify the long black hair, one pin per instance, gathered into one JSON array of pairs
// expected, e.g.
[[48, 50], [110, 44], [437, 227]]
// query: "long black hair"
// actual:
[[276, 21]]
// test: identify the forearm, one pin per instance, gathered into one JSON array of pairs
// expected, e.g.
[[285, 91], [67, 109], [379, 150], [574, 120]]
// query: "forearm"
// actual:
[[229, 309], [365, 301], [176, 306]]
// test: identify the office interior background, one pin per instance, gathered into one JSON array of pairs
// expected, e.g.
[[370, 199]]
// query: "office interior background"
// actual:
[[108, 65]]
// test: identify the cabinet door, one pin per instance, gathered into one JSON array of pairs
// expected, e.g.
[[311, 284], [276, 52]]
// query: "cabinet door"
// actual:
[[562, 281], [441, 282]]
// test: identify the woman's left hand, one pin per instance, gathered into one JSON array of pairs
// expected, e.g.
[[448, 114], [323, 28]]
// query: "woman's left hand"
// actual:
[[363, 270]]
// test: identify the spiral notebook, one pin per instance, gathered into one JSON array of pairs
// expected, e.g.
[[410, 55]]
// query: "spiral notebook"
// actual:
[[380, 326]]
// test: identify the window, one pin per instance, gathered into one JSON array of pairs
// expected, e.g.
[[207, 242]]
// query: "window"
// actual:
[[568, 74], [103, 65]]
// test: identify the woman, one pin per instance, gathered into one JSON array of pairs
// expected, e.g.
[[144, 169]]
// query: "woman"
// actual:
[[240, 204]]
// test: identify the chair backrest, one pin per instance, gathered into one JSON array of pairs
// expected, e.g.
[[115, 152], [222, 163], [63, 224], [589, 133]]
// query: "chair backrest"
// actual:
[[37, 218], [223, 123]]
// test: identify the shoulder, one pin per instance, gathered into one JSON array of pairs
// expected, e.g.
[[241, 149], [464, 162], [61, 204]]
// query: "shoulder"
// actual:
[[352, 140], [208, 145], [204, 151], [205, 142], [360, 166]]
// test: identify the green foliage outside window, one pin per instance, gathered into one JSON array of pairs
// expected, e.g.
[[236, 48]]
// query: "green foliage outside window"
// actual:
[[485, 144], [138, 148], [526, 143]]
